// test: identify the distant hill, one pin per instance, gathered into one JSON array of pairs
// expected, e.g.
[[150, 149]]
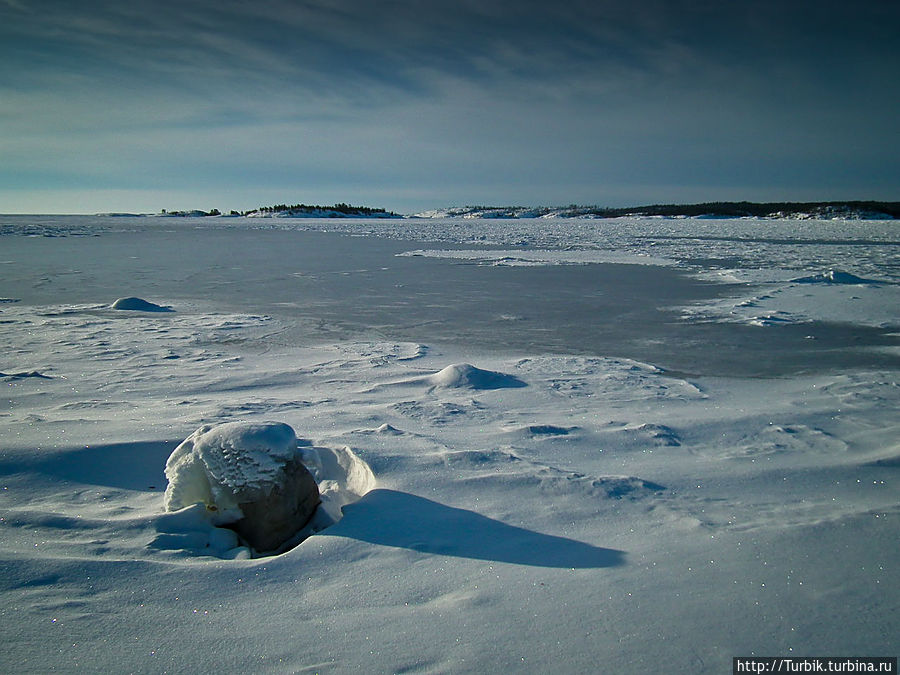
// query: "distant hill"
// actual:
[[854, 210], [289, 211], [307, 211]]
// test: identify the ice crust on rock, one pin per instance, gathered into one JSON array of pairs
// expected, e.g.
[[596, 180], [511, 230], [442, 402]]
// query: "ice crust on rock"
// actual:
[[250, 476]]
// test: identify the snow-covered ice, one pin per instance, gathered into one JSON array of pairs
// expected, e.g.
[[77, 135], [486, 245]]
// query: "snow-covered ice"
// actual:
[[626, 467]]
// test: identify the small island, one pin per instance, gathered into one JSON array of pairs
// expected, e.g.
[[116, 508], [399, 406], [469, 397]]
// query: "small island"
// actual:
[[339, 210]]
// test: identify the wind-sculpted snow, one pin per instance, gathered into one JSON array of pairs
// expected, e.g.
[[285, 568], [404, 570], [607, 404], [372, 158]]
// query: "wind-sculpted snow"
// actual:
[[775, 299], [342, 475], [19, 376], [467, 375], [834, 277], [603, 513]]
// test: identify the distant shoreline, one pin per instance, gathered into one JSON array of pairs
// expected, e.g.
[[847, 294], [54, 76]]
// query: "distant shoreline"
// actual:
[[855, 210], [858, 210], [848, 210]]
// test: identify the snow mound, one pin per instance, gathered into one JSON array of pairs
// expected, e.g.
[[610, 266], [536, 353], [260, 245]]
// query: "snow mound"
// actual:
[[189, 529], [250, 476], [468, 376], [139, 305], [834, 277]]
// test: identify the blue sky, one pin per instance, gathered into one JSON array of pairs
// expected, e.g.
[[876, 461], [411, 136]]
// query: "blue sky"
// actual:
[[149, 104]]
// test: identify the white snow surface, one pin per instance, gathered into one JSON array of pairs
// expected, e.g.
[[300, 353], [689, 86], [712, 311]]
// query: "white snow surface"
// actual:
[[467, 375], [483, 510], [536, 257]]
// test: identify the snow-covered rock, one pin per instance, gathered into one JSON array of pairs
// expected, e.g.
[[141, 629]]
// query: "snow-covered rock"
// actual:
[[139, 305], [251, 478]]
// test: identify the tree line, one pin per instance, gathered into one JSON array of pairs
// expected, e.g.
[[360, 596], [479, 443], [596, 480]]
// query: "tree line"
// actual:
[[340, 207]]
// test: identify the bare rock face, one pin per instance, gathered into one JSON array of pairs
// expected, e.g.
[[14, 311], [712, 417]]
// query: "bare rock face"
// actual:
[[250, 477], [271, 521]]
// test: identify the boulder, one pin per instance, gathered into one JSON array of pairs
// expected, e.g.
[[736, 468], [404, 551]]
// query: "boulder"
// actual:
[[269, 522], [249, 476]]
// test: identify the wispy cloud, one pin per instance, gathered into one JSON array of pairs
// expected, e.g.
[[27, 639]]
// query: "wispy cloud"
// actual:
[[465, 93], [355, 49]]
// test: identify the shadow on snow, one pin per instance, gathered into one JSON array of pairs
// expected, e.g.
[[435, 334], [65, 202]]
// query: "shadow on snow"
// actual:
[[402, 520], [139, 465]]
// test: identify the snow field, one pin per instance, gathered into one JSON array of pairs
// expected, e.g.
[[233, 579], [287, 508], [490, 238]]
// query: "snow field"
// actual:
[[597, 502], [483, 512]]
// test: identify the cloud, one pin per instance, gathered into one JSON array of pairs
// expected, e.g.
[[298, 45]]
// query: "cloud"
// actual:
[[356, 51], [523, 99]]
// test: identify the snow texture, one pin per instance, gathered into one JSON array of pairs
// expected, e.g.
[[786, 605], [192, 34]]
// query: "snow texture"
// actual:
[[834, 277], [215, 463], [467, 375], [491, 505]]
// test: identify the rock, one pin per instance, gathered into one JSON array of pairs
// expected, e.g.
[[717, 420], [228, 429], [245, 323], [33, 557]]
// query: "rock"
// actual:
[[273, 520], [250, 477]]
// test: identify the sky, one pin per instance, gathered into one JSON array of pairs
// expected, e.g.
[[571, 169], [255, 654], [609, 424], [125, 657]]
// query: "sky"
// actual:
[[409, 104]]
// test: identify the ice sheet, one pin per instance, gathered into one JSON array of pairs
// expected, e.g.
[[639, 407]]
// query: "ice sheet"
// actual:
[[509, 507]]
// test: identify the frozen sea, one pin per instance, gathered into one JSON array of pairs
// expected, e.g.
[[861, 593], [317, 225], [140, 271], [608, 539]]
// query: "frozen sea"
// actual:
[[610, 287], [568, 445]]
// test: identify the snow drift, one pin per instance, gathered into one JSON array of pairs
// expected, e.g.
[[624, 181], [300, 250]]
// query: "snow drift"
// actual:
[[467, 375], [139, 305], [834, 277]]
